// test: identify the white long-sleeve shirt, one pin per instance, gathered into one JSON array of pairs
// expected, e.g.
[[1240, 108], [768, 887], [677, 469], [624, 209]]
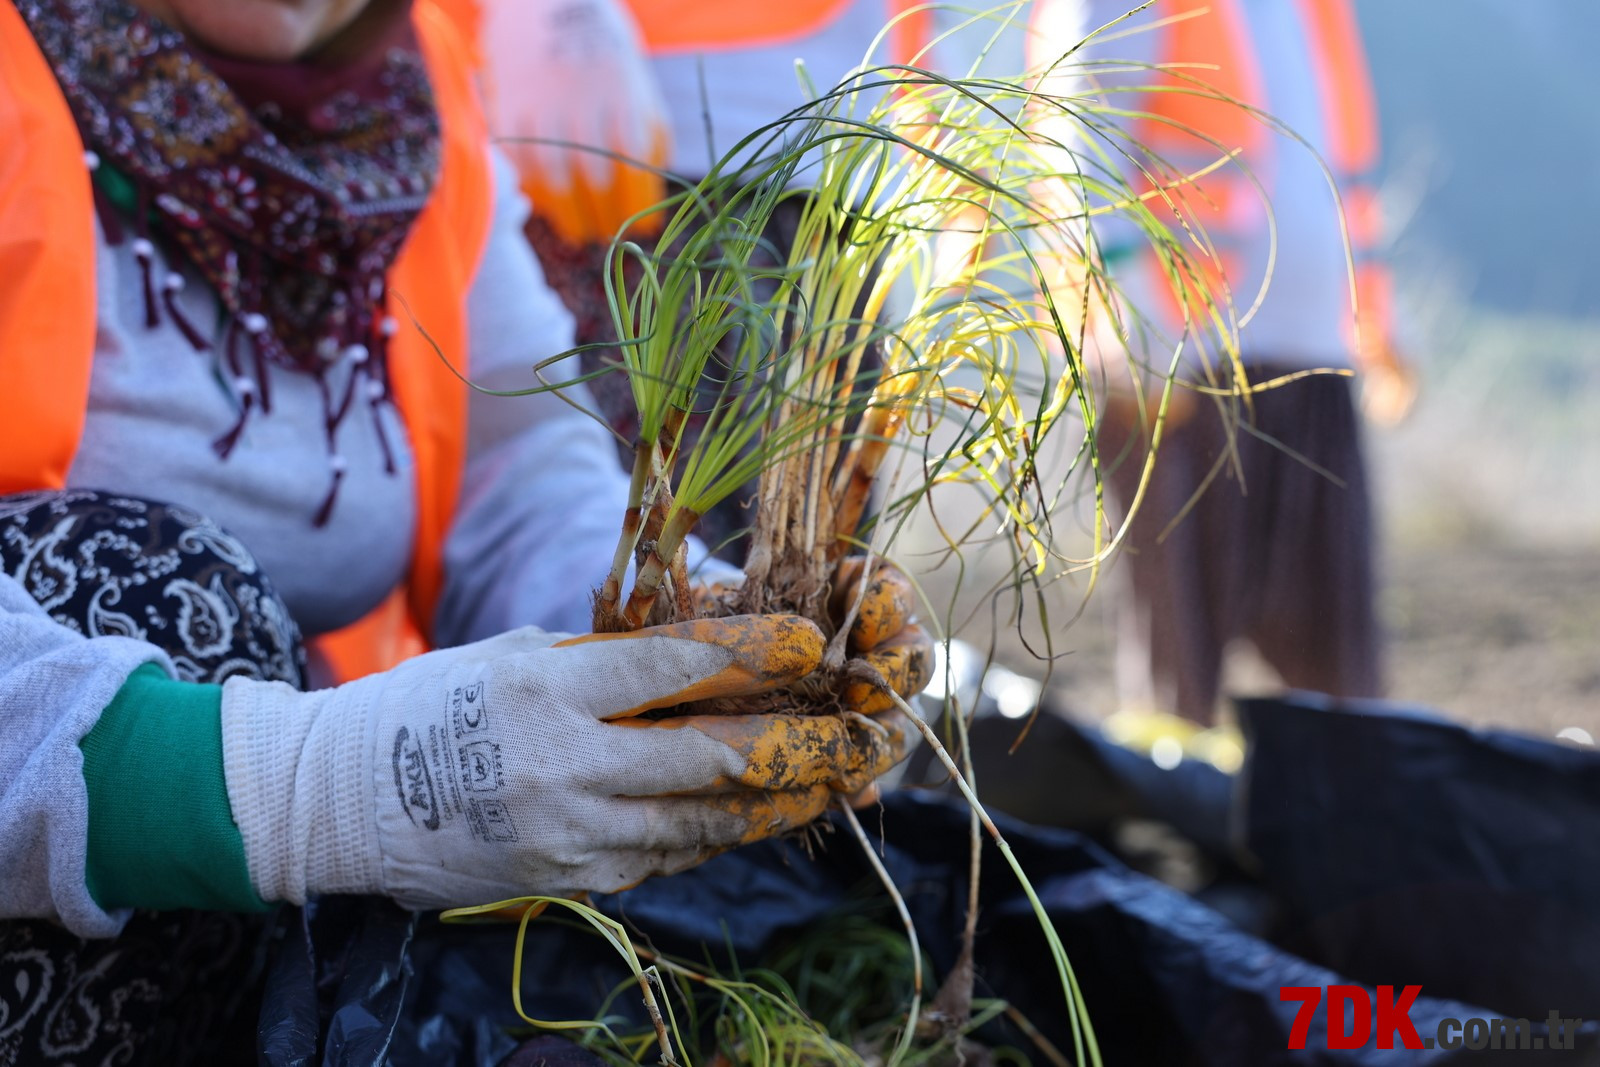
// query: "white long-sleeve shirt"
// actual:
[[541, 504], [1303, 318]]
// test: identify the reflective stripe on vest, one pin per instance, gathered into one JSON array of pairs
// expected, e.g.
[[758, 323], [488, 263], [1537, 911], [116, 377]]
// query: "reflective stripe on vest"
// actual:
[[47, 309], [911, 32], [676, 26], [1209, 70], [1349, 113], [1208, 62], [1350, 117]]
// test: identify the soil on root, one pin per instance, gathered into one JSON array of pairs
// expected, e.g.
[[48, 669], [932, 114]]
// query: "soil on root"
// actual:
[[792, 588]]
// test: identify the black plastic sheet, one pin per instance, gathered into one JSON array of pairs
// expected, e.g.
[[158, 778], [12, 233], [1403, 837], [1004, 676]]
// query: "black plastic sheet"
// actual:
[[338, 985], [1344, 807], [1407, 848]]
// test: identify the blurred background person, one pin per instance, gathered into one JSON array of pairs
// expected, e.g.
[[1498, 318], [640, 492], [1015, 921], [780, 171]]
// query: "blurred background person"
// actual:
[[632, 88], [1256, 521]]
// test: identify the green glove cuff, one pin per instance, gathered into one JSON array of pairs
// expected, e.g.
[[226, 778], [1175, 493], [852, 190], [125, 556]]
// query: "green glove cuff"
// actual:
[[161, 833]]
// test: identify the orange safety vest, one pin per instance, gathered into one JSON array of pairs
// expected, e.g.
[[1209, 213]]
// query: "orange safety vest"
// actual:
[[47, 309], [687, 26], [1350, 115], [1220, 36], [1208, 66], [669, 27]]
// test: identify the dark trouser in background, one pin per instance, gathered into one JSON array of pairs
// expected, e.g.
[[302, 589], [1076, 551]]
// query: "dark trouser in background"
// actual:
[[175, 987], [1276, 549]]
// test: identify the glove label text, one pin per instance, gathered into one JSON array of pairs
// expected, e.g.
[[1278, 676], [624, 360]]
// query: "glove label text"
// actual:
[[480, 767], [490, 820], [468, 712], [413, 782]]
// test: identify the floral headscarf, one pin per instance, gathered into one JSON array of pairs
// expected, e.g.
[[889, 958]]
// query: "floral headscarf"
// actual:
[[289, 187]]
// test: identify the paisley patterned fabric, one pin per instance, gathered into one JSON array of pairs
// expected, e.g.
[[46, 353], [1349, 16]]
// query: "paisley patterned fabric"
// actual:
[[116, 566], [175, 987]]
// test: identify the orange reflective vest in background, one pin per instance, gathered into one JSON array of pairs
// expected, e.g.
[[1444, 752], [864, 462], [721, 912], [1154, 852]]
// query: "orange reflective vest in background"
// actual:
[[47, 309], [667, 27], [1208, 67], [677, 26], [1350, 116], [1208, 57]]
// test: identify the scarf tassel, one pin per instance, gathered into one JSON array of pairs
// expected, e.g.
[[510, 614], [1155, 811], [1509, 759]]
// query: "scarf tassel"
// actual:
[[255, 324], [230, 346], [110, 221], [357, 357], [170, 287], [223, 446], [376, 394], [145, 253], [383, 328], [337, 463]]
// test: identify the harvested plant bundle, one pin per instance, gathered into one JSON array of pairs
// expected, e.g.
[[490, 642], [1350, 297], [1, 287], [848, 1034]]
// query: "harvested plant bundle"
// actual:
[[869, 345], [925, 330]]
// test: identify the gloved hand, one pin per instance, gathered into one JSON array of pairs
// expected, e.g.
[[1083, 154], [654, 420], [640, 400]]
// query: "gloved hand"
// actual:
[[512, 766], [883, 632], [575, 71]]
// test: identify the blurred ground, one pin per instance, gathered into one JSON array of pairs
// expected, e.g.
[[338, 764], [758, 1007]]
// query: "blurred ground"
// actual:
[[1487, 634], [1498, 636]]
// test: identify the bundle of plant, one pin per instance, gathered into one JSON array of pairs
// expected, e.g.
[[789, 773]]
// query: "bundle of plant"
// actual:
[[889, 369], [865, 340], [800, 406]]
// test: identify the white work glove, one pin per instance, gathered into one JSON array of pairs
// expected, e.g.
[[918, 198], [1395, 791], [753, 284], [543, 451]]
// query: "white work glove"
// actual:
[[479, 773], [575, 71]]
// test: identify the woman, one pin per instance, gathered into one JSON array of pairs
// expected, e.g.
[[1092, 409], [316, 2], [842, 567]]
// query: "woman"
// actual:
[[1278, 552], [236, 240]]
